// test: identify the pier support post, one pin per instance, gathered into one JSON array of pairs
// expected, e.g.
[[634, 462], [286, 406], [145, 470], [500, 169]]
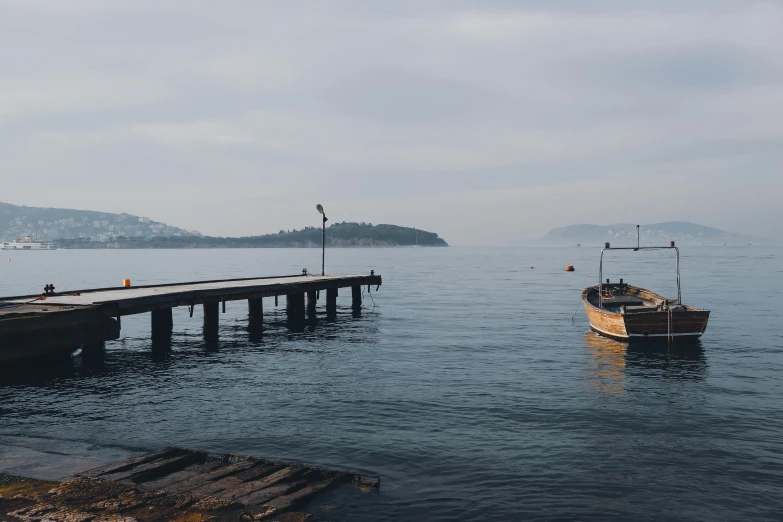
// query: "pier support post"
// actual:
[[255, 308], [211, 319], [312, 299], [331, 302], [356, 293], [295, 310], [295, 305], [162, 323]]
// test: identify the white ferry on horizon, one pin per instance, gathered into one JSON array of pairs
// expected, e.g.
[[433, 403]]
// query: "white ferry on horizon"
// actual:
[[28, 243]]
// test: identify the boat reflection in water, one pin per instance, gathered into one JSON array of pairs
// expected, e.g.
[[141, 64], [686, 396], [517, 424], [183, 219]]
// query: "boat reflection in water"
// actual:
[[606, 364], [612, 363]]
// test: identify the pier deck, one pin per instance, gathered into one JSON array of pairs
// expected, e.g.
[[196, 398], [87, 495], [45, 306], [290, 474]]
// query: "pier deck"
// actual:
[[140, 299], [37, 325]]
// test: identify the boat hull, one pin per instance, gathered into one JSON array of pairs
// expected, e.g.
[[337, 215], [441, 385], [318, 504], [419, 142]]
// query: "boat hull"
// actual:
[[653, 325]]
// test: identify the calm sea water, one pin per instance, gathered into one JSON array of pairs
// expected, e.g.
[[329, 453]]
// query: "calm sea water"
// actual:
[[464, 383]]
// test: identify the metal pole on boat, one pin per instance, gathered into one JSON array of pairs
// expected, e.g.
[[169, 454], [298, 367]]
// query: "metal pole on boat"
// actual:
[[679, 291], [601, 278]]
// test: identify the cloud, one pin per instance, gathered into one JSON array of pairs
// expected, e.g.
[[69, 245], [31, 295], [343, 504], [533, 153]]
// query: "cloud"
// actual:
[[459, 102]]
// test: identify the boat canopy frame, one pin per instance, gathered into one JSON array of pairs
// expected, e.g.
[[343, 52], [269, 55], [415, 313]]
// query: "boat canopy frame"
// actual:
[[636, 249]]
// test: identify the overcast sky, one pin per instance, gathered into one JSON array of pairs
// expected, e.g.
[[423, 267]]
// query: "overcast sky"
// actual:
[[483, 121]]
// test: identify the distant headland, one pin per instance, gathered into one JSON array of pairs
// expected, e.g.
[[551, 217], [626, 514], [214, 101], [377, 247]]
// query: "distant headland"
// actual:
[[91, 229], [624, 234], [337, 235]]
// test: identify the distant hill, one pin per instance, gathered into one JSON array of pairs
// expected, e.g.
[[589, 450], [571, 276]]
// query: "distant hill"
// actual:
[[59, 223], [337, 235], [624, 234], [90, 229]]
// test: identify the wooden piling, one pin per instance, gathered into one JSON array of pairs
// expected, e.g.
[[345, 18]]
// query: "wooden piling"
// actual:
[[356, 293], [331, 302], [295, 305], [255, 308], [295, 311], [162, 322], [211, 317]]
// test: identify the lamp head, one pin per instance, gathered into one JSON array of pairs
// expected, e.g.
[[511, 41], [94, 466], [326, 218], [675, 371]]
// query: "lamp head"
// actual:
[[319, 208]]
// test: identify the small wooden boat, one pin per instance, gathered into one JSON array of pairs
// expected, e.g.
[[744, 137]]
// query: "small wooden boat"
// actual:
[[628, 313]]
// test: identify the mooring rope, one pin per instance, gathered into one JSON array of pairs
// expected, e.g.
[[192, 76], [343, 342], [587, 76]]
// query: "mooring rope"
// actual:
[[576, 311], [369, 292]]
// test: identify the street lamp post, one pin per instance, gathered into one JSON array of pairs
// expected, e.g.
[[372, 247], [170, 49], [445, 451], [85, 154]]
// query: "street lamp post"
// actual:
[[320, 210]]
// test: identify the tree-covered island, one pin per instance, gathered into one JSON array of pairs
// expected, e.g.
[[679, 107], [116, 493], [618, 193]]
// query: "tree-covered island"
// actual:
[[337, 235]]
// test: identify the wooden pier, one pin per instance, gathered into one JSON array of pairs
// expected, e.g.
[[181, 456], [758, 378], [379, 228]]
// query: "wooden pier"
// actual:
[[179, 484], [40, 325]]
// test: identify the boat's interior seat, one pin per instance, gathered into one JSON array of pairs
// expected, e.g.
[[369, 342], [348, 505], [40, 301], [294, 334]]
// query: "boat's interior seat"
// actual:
[[637, 309], [629, 300]]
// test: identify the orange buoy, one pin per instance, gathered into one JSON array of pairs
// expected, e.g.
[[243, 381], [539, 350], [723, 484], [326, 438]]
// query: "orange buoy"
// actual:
[[569, 268], [126, 282]]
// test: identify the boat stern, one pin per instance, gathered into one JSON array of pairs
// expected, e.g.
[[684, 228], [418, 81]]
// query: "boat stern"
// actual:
[[685, 324]]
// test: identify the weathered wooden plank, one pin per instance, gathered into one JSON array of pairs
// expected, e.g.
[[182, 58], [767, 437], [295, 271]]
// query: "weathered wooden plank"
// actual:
[[246, 488], [126, 464], [262, 470], [262, 496], [226, 469], [156, 468], [299, 497], [235, 480], [188, 473]]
